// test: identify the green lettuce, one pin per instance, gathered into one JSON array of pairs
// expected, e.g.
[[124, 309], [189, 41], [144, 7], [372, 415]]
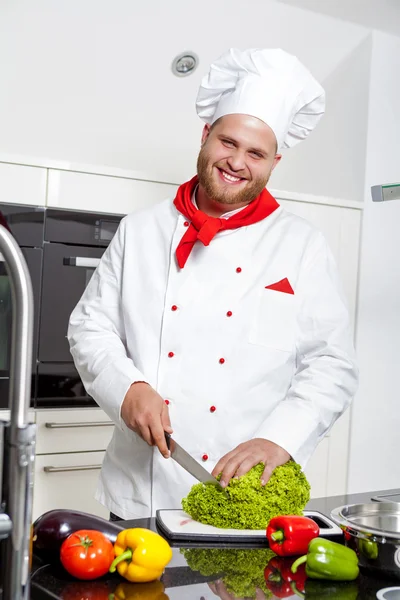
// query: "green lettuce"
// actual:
[[247, 504], [241, 571]]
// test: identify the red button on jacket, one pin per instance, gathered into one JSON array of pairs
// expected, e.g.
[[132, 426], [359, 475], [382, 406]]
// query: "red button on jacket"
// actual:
[[229, 313], [222, 360], [171, 354], [174, 307], [212, 409], [205, 457]]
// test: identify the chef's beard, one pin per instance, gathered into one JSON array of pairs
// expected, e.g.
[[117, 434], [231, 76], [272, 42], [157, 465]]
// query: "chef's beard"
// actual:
[[226, 196]]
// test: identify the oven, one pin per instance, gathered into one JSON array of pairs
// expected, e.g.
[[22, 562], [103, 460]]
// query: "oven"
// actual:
[[26, 224], [62, 249]]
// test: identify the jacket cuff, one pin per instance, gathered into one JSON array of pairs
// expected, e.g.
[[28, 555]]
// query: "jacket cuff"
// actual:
[[110, 387], [293, 429]]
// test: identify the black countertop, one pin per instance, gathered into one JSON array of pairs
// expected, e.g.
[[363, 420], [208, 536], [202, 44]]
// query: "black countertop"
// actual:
[[220, 564]]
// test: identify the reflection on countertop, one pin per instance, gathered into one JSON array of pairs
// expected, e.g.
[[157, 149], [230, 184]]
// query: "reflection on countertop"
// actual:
[[209, 572]]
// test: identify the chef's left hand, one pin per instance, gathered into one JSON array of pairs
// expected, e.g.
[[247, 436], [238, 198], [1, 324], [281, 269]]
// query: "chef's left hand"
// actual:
[[245, 456]]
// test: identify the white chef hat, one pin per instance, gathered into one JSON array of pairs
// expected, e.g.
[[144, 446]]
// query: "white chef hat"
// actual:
[[271, 85]]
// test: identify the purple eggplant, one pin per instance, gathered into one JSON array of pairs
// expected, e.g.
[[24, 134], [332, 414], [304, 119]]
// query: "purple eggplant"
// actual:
[[53, 527]]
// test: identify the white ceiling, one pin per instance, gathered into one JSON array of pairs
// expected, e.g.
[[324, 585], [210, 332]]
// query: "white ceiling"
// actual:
[[374, 14]]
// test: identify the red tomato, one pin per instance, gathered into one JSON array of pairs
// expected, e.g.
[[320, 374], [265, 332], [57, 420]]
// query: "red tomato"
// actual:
[[87, 554]]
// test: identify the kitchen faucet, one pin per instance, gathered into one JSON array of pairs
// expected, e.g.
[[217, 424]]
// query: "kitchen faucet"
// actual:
[[17, 437]]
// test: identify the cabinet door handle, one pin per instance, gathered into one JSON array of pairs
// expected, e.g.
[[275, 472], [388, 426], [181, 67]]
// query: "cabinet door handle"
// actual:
[[71, 468], [81, 261], [72, 425]]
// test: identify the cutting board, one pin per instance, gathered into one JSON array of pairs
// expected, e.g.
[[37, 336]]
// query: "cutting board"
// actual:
[[176, 525]]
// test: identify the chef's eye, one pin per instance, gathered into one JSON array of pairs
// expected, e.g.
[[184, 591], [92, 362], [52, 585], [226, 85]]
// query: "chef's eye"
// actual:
[[228, 143], [256, 155]]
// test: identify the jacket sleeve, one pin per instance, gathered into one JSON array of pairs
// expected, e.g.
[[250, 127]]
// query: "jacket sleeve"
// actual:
[[96, 334], [326, 375]]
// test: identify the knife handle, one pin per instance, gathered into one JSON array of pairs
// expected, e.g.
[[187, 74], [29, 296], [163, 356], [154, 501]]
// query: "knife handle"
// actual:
[[168, 440]]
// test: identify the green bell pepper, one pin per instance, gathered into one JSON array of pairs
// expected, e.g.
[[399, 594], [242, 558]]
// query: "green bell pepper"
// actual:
[[368, 549], [329, 560], [341, 590]]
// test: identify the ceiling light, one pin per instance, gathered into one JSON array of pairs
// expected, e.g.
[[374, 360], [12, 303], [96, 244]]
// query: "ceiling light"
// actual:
[[184, 64]]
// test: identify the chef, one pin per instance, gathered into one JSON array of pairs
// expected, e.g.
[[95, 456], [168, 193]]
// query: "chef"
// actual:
[[217, 316]]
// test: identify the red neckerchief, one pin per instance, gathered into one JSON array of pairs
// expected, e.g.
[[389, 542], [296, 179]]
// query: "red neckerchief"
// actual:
[[204, 228]]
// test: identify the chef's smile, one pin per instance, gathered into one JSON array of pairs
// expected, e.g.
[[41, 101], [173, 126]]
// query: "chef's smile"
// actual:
[[229, 178]]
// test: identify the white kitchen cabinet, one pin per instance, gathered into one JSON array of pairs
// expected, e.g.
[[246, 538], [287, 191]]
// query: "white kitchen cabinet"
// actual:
[[5, 415], [79, 430], [21, 184], [68, 481], [70, 447], [100, 193], [65, 473]]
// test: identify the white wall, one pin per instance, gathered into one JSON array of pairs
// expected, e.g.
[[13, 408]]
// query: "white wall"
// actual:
[[375, 439], [332, 161], [89, 81]]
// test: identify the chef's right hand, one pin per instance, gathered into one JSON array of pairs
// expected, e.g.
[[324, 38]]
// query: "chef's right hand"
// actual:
[[146, 413]]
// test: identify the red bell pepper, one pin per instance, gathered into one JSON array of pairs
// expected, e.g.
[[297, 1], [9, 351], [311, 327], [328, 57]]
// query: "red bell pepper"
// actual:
[[290, 535], [280, 580]]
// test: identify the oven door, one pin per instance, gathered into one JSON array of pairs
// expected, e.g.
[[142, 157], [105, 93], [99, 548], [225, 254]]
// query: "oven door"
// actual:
[[59, 386], [33, 257], [5, 333], [67, 271]]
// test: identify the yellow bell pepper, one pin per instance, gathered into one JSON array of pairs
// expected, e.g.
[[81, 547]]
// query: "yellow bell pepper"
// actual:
[[141, 555], [140, 591]]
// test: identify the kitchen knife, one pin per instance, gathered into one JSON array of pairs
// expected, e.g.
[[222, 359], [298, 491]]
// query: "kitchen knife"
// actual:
[[190, 465]]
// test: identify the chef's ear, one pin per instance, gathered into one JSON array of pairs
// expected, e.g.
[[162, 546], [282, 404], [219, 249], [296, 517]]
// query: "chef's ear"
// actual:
[[206, 133], [276, 160]]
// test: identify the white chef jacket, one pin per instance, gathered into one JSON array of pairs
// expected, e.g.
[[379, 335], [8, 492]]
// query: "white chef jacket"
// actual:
[[234, 359]]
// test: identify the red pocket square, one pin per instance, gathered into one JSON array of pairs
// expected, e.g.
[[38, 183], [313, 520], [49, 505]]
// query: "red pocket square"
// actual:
[[281, 286]]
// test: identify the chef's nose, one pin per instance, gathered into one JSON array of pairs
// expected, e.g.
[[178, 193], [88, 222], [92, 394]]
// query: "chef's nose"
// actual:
[[237, 161]]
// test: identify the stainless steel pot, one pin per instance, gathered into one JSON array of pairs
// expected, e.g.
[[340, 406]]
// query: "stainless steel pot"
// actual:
[[373, 531]]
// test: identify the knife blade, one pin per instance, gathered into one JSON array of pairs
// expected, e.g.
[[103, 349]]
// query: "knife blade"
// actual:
[[185, 460]]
